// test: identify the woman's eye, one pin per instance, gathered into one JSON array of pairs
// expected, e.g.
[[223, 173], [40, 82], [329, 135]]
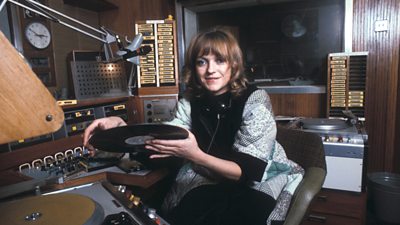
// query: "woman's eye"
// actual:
[[200, 62], [220, 61]]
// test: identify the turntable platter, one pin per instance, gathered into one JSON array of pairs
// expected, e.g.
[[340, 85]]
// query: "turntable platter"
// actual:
[[323, 124], [60, 209]]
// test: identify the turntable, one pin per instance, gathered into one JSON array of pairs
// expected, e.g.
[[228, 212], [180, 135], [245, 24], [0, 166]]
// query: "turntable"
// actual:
[[344, 145], [62, 209], [334, 130], [89, 204]]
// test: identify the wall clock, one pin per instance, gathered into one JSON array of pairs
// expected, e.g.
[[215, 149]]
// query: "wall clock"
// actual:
[[38, 35], [293, 26], [37, 45]]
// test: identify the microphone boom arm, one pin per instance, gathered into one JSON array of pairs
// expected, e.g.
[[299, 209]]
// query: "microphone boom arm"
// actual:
[[103, 35]]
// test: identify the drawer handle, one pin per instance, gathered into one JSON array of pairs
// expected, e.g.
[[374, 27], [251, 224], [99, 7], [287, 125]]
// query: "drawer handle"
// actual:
[[316, 218]]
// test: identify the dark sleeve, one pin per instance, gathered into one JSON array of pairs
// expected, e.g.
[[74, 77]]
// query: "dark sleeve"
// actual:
[[252, 168]]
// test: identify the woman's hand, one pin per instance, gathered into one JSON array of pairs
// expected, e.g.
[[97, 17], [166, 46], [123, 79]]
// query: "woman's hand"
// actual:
[[100, 124], [185, 148], [189, 149]]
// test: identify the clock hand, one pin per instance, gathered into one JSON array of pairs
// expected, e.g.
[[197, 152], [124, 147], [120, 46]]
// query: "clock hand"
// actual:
[[30, 29], [42, 35]]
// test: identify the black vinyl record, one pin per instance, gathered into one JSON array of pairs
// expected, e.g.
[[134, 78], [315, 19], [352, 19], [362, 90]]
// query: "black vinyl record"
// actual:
[[132, 138]]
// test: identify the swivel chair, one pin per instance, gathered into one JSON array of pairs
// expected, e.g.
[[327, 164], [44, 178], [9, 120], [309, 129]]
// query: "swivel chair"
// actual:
[[307, 150]]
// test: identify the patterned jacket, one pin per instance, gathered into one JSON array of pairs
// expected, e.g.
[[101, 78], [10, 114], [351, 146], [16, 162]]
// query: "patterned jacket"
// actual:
[[255, 137]]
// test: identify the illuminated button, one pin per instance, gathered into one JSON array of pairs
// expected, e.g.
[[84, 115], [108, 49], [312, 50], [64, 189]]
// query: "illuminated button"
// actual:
[[136, 200], [333, 139], [119, 107], [122, 188], [151, 213]]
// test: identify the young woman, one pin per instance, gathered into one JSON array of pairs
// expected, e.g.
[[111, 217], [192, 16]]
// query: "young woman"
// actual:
[[234, 171]]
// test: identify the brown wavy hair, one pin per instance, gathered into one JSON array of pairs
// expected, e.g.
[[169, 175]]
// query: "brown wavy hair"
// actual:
[[223, 44]]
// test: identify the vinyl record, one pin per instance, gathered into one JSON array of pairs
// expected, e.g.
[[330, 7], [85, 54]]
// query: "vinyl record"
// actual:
[[132, 138]]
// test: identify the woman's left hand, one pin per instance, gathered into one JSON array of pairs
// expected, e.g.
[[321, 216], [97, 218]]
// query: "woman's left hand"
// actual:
[[184, 148]]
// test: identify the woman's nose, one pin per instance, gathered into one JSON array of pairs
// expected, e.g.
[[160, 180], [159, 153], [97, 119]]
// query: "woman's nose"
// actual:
[[211, 67]]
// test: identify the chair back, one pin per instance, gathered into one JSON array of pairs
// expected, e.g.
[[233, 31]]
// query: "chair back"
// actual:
[[304, 148], [307, 150]]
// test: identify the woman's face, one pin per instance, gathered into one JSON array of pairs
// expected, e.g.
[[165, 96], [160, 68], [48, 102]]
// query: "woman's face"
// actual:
[[214, 73]]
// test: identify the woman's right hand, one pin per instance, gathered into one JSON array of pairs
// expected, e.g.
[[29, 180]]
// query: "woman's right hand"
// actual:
[[100, 124]]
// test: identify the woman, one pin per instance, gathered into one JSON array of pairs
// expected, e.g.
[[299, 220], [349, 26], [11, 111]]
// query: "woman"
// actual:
[[234, 169]]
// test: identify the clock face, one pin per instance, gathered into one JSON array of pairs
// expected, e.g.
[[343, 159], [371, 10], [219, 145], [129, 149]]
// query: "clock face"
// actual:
[[38, 35]]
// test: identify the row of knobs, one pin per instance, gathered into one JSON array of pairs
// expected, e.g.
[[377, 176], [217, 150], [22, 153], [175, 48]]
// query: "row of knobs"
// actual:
[[339, 139]]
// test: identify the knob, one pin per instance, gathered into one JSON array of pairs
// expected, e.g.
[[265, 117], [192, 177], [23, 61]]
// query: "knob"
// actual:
[[151, 213]]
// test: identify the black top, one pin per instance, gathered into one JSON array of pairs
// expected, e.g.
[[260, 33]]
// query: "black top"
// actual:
[[222, 116]]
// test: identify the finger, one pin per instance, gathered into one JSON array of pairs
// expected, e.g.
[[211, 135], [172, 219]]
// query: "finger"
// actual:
[[158, 156], [92, 153], [88, 132], [168, 143], [161, 148]]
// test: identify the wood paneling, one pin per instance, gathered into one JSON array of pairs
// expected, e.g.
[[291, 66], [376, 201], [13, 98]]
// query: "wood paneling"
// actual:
[[299, 105], [397, 131], [123, 20], [65, 39], [382, 78]]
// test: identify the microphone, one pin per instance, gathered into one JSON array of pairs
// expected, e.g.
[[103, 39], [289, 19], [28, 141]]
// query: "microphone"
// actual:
[[136, 42], [133, 45], [140, 51], [133, 50]]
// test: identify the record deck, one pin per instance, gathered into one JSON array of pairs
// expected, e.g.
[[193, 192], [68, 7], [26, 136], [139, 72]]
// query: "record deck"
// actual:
[[62, 209], [132, 139]]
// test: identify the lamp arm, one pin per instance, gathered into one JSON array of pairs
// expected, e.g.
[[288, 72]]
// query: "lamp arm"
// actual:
[[106, 37], [103, 35]]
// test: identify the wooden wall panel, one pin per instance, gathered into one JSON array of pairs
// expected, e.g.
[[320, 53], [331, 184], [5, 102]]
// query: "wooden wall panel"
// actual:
[[122, 20], [299, 105], [397, 132], [65, 39], [382, 77]]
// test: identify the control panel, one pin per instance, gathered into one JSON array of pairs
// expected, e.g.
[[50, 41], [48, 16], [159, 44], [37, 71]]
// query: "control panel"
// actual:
[[159, 109], [76, 121]]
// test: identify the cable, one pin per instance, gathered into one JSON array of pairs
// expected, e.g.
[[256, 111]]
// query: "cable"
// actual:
[[215, 133], [211, 142]]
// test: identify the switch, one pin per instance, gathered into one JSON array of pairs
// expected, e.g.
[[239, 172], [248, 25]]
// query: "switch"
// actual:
[[381, 25]]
